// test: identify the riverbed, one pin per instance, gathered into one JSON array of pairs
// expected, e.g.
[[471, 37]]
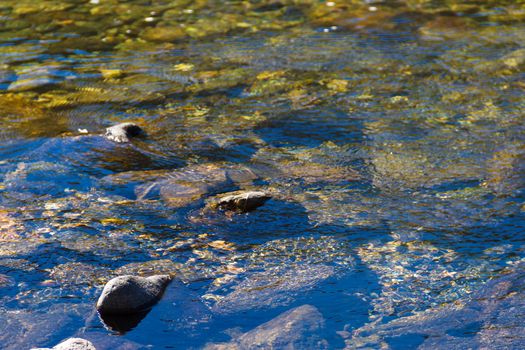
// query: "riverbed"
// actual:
[[389, 135]]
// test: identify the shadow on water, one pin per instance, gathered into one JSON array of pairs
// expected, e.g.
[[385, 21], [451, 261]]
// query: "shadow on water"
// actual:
[[122, 323]]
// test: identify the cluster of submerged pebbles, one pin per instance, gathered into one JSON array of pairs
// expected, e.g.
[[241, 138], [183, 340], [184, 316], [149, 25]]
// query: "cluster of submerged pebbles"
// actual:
[[127, 298], [130, 296]]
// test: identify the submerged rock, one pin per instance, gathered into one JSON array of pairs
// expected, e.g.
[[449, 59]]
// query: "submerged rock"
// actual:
[[40, 77], [492, 318], [240, 201], [40, 178], [23, 329], [185, 272], [6, 77], [297, 328], [164, 34], [123, 132], [131, 294], [60, 163], [506, 169], [514, 60], [187, 185], [447, 27], [277, 271], [273, 287], [309, 165], [78, 275]]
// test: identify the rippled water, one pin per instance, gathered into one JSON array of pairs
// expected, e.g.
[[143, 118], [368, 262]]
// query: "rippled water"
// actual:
[[389, 133]]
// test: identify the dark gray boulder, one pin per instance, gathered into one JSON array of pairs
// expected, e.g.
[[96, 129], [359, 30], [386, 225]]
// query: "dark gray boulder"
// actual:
[[123, 132], [131, 294], [298, 328]]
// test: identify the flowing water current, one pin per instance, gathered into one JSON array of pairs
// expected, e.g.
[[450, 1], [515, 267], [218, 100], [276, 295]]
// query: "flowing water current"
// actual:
[[389, 134]]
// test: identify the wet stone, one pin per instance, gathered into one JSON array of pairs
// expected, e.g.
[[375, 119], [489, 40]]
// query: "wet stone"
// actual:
[[131, 294], [101, 341], [72, 344], [240, 201], [423, 99], [123, 132]]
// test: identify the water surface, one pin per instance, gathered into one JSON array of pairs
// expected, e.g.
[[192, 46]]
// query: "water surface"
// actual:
[[390, 134]]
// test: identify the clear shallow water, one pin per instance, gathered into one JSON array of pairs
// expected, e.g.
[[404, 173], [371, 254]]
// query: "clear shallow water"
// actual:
[[390, 134]]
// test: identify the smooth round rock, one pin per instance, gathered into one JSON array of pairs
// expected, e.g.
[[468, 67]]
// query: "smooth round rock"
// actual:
[[123, 132], [131, 294]]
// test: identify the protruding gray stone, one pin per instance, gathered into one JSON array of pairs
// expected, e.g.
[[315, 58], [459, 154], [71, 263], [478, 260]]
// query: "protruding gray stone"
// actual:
[[242, 201], [123, 132], [75, 344], [72, 344], [298, 328], [131, 294]]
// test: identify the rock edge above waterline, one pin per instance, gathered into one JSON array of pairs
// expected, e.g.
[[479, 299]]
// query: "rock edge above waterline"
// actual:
[[240, 201], [131, 294], [123, 132], [72, 344]]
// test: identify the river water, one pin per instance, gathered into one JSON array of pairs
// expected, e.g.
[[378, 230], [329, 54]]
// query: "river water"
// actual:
[[390, 135]]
